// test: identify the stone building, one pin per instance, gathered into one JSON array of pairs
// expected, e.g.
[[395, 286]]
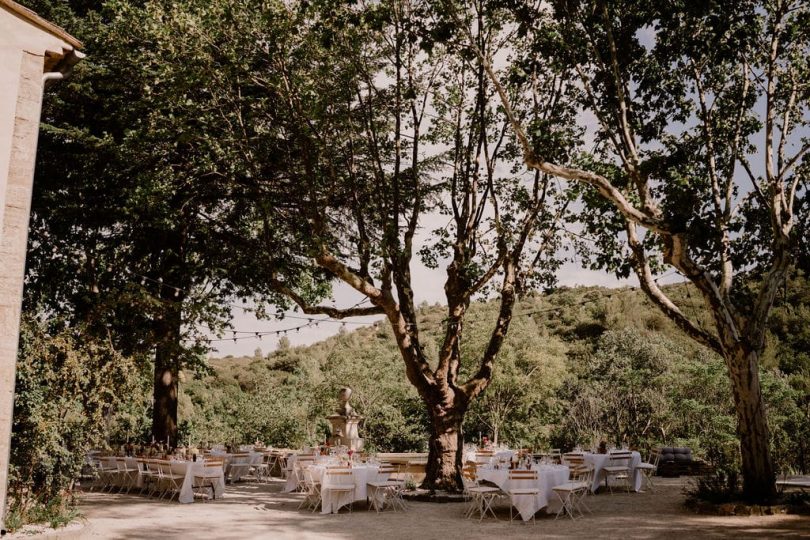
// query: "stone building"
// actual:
[[33, 52]]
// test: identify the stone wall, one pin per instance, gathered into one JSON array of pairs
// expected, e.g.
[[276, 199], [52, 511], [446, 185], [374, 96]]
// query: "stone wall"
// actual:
[[17, 190]]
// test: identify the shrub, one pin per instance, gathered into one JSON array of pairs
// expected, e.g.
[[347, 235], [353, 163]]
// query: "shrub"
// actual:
[[69, 389]]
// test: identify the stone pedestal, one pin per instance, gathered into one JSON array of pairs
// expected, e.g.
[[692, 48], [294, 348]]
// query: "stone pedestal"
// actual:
[[345, 431]]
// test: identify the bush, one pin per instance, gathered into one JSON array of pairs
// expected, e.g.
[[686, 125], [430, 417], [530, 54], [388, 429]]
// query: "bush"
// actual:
[[69, 389]]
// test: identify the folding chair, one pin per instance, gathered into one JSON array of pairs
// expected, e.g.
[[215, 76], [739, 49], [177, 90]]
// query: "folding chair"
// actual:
[[649, 469], [386, 492], [126, 474], [312, 497], [172, 480], [338, 481], [481, 497], [618, 468], [212, 471], [572, 493], [522, 483]]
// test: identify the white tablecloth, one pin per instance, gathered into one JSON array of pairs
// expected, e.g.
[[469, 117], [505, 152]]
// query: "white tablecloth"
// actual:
[[238, 466], [189, 469], [185, 468], [499, 455], [599, 461], [292, 481], [331, 502], [548, 476]]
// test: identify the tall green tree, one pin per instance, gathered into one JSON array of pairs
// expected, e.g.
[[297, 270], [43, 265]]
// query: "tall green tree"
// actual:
[[350, 130], [701, 139], [121, 237]]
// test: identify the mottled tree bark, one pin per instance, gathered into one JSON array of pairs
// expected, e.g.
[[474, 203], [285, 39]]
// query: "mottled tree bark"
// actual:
[[167, 368], [752, 425], [443, 471]]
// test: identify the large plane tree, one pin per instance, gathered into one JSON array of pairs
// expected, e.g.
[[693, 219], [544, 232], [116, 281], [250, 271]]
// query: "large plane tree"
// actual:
[[701, 115], [360, 145]]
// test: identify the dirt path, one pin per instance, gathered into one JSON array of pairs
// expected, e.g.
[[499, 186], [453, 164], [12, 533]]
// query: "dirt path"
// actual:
[[261, 511]]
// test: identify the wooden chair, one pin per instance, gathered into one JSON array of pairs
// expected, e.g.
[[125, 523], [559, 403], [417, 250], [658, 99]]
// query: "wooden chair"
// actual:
[[572, 493], [480, 497], [387, 492], [618, 468], [338, 481], [213, 469], [517, 477], [573, 459]]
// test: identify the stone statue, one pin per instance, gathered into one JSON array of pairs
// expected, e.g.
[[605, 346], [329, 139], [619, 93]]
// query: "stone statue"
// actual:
[[344, 409], [345, 423]]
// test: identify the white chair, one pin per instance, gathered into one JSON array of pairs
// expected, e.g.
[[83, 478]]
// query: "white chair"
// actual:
[[127, 475], [312, 497], [387, 490], [484, 457], [649, 469], [573, 459], [481, 497], [301, 463], [170, 479], [107, 472], [522, 483], [572, 493], [211, 472], [618, 468], [338, 483], [149, 476]]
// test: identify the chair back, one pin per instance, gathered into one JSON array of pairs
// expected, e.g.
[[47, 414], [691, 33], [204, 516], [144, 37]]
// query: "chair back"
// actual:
[[620, 457], [214, 463], [338, 477], [469, 471], [573, 458], [582, 473], [484, 456], [520, 475], [388, 473]]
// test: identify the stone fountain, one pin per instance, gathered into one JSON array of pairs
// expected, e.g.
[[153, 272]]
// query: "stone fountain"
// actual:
[[345, 423]]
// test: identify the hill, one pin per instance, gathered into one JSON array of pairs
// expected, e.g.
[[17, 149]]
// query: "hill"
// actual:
[[580, 365]]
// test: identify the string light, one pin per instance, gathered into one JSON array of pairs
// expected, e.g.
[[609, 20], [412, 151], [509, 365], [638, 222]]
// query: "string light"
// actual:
[[314, 322]]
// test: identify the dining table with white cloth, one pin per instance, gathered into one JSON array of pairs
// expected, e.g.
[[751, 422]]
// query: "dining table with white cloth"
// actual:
[[548, 476], [498, 456], [187, 469], [291, 483], [238, 465], [361, 475], [191, 468], [599, 461]]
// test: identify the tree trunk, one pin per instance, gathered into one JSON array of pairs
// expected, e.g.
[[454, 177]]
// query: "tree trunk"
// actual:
[[759, 479], [443, 470], [167, 367]]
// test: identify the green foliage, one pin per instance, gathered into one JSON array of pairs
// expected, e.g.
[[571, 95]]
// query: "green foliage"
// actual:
[[70, 391], [586, 365]]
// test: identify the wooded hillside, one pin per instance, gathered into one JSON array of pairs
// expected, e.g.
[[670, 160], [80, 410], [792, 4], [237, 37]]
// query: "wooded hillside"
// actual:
[[580, 366]]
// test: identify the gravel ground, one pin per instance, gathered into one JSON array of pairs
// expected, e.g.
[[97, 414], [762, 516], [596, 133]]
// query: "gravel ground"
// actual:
[[261, 511]]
